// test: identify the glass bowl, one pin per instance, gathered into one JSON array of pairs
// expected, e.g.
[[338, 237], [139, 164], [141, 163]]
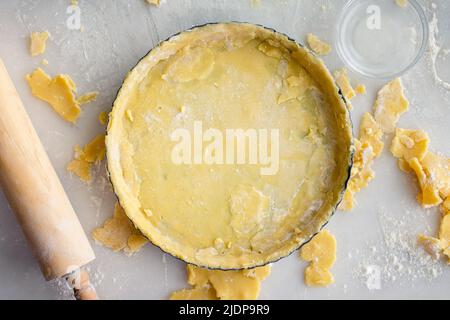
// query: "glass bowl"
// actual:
[[382, 39]]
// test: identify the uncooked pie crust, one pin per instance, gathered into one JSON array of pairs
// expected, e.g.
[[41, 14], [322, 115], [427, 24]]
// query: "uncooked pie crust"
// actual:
[[229, 76]]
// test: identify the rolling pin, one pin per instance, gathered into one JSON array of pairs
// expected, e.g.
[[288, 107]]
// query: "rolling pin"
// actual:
[[37, 197]]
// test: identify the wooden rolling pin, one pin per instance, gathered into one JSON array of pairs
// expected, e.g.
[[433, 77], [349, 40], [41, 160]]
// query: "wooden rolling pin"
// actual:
[[37, 197]]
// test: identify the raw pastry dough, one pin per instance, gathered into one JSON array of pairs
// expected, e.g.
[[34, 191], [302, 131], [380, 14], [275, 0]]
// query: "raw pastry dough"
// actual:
[[154, 2], [368, 147], [321, 253], [343, 82], [444, 236], [432, 170], [402, 3], [223, 285], [38, 42], [390, 105], [103, 117], [360, 89], [408, 144], [59, 92], [229, 76], [433, 175], [118, 233], [87, 97], [318, 46], [86, 157]]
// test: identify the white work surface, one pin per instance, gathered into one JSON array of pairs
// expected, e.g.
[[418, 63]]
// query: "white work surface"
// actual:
[[378, 234]]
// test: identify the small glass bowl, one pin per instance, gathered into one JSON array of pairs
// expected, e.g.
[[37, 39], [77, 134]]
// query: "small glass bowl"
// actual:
[[381, 39]]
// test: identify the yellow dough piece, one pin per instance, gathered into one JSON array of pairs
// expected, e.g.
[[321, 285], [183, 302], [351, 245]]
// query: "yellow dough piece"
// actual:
[[118, 233], [154, 2], [221, 209], [38, 42], [404, 166], [360, 89], [433, 175], [408, 144], [446, 206], [86, 98], [223, 285], [103, 117], [321, 250], [438, 170], [368, 147], [255, 3], [321, 253], [135, 242], [432, 170], [370, 134], [318, 277], [444, 231], [318, 46], [402, 3], [59, 92], [343, 82], [429, 196], [444, 236], [205, 292], [390, 105], [435, 247], [85, 158]]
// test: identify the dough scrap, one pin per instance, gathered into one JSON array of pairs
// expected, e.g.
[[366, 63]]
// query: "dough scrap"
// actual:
[[368, 147], [429, 195], [38, 42], [222, 285], [445, 208], [321, 253], [432, 171], [86, 157], [433, 176], [87, 97], [154, 2], [391, 103], [438, 247], [343, 81], [59, 92], [408, 144], [360, 89], [444, 236], [118, 233], [317, 45], [318, 277], [388, 107], [206, 292], [438, 169], [402, 3], [103, 117]]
